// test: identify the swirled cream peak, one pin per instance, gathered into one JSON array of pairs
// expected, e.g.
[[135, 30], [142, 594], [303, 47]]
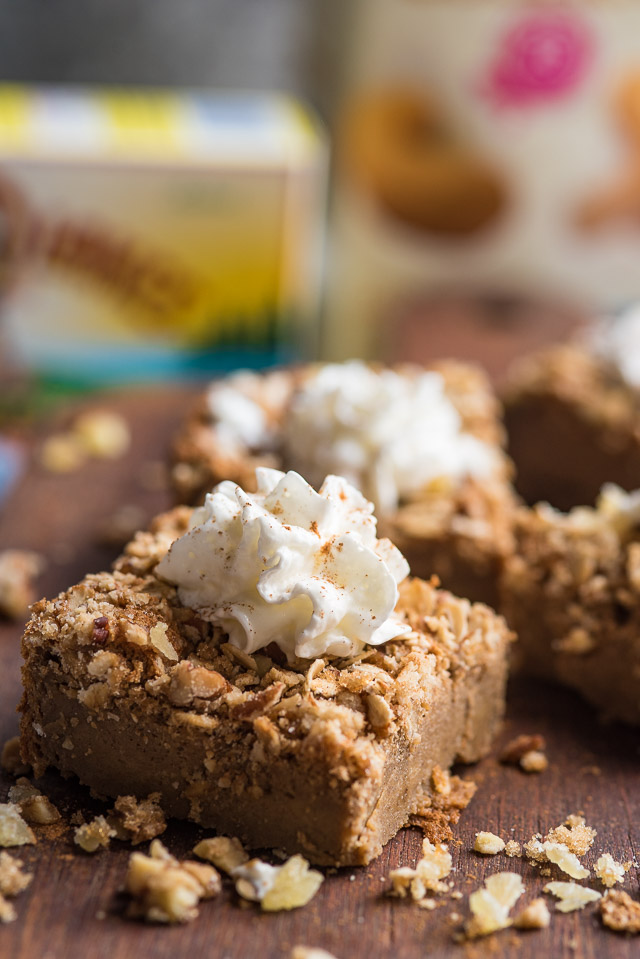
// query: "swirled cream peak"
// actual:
[[244, 407], [388, 433], [618, 340], [291, 566]]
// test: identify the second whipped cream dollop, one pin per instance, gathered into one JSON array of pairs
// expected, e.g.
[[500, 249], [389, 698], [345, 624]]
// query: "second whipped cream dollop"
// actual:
[[618, 341], [389, 433], [290, 566]]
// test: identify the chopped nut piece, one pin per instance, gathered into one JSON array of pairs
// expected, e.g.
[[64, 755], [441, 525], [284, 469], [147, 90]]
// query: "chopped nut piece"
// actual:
[[13, 879], [102, 434], [608, 871], [62, 453], [534, 916], [225, 853], [571, 896], [278, 887], [534, 761], [620, 912], [490, 906], [577, 642], [34, 806], [11, 760], [189, 682], [558, 853], [307, 952], [513, 848], [158, 638], [575, 835], [488, 843], [7, 912], [90, 836], [18, 570], [166, 890], [13, 829], [434, 866], [518, 747], [143, 819]]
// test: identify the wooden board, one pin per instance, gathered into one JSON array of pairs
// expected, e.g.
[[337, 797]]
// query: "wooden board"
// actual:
[[594, 769]]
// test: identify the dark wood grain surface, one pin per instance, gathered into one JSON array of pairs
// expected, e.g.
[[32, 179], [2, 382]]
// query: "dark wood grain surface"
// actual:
[[74, 906]]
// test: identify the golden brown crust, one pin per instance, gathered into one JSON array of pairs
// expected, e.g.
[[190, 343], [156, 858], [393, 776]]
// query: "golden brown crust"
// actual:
[[233, 723]]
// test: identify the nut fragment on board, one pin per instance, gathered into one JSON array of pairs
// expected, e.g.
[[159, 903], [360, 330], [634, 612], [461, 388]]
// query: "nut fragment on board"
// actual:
[[11, 759], [520, 746], [166, 890], [18, 571], [608, 871], [571, 896], [94, 835], [490, 905], [488, 844], [534, 916], [620, 912], [430, 870], [277, 887], [13, 829], [141, 819], [534, 761], [224, 852], [34, 806]]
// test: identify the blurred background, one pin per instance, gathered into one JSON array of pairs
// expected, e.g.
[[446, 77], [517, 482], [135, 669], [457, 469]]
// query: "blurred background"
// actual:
[[188, 188]]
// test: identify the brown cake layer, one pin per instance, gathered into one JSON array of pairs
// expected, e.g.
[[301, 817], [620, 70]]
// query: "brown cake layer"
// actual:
[[573, 424]]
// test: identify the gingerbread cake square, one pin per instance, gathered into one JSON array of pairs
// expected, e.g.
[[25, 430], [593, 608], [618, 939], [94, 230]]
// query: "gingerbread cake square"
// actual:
[[134, 692], [571, 591], [425, 444]]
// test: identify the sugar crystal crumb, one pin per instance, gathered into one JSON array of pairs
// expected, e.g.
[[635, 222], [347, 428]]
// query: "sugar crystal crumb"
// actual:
[[431, 869], [513, 848]]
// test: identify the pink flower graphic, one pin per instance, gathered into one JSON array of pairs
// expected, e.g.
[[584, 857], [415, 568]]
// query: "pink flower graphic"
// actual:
[[541, 58]]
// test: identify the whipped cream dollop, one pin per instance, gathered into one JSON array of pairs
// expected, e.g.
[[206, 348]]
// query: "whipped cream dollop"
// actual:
[[618, 340], [244, 408], [388, 433], [291, 566]]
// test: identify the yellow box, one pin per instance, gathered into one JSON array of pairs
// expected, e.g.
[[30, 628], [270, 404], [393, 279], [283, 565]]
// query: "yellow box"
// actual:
[[145, 234]]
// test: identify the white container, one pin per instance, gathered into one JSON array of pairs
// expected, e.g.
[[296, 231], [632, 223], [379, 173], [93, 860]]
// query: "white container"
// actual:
[[543, 97]]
